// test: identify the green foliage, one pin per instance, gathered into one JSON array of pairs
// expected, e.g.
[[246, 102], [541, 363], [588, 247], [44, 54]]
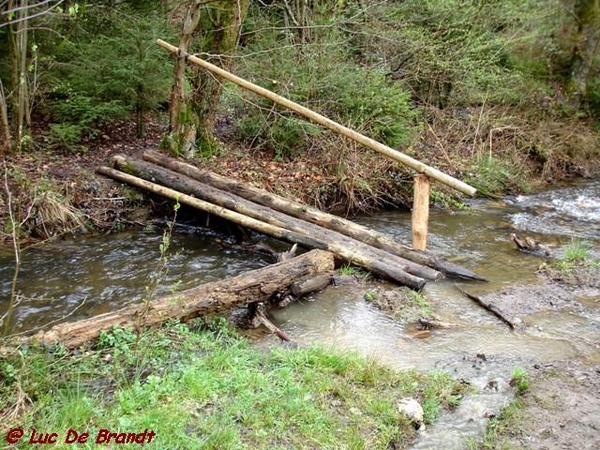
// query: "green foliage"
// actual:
[[500, 429], [348, 270], [117, 337], [456, 53], [520, 380], [91, 81], [419, 300], [493, 175], [575, 254], [66, 135], [323, 76], [577, 251]]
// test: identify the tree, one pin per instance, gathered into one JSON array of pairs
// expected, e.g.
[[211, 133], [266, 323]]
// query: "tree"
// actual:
[[15, 15], [587, 39], [211, 28]]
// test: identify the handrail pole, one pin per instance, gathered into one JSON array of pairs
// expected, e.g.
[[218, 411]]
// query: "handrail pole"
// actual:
[[327, 123]]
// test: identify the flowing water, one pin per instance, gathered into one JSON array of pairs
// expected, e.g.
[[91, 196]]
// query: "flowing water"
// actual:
[[94, 274]]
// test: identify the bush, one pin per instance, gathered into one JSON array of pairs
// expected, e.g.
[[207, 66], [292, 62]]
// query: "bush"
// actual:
[[321, 75], [94, 81]]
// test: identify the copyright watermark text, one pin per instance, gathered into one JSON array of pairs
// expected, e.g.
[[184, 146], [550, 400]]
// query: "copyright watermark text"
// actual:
[[71, 436]]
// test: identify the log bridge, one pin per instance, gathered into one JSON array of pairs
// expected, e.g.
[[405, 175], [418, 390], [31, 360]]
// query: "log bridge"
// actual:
[[281, 218]]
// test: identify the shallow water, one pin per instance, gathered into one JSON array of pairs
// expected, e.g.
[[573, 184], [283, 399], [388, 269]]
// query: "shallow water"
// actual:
[[480, 349], [94, 274]]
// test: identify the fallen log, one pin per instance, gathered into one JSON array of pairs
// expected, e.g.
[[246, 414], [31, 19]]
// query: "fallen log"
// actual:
[[313, 284], [313, 215], [206, 299], [275, 224], [489, 307]]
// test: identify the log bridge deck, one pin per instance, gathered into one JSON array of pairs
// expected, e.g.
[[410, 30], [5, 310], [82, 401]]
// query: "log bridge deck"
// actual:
[[283, 219]]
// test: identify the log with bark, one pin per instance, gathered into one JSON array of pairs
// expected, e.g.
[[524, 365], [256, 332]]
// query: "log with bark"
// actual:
[[206, 299], [248, 213], [313, 215]]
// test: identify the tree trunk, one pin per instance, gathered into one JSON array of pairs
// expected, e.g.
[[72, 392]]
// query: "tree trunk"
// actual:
[[181, 135], [312, 215], [18, 33], [206, 299], [5, 134], [587, 14], [373, 259], [192, 117]]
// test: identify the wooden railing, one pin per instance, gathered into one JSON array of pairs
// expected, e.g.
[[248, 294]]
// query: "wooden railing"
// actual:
[[421, 200]]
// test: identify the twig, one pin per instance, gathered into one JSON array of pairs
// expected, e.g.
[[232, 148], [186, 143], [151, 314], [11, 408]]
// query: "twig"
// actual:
[[488, 307], [276, 331]]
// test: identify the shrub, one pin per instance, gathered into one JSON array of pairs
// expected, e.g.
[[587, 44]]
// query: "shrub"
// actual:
[[321, 75]]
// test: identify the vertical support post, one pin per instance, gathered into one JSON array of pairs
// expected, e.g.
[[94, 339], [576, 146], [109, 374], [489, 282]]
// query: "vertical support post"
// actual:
[[420, 212]]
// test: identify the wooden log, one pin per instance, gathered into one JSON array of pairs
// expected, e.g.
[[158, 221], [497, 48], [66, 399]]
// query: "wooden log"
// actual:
[[248, 222], [248, 208], [313, 215], [420, 212], [206, 299], [489, 307], [326, 122], [353, 251], [313, 284]]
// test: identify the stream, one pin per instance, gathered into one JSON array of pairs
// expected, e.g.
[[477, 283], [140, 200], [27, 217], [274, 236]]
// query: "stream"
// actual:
[[87, 275]]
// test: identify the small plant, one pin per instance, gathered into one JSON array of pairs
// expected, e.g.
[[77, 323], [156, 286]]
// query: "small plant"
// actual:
[[576, 251], [117, 337], [369, 296], [348, 271], [419, 300], [520, 380]]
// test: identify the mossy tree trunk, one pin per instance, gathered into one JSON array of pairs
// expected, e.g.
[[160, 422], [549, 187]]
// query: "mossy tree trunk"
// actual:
[[210, 28], [18, 37], [5, 133], [587, 14]]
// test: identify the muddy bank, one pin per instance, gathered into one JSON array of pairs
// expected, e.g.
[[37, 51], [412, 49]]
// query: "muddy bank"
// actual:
[[558, 411]]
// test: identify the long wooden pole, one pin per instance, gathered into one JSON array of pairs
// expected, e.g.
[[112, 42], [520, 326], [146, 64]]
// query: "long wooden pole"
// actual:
[[327, 123], [420, 212], [309, 214], [337, 243]]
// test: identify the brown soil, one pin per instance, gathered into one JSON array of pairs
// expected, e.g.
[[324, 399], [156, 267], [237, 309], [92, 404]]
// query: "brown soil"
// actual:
[[559, 411]]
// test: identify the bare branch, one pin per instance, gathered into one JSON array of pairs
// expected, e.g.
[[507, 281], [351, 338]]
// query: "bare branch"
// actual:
[[32, 16]]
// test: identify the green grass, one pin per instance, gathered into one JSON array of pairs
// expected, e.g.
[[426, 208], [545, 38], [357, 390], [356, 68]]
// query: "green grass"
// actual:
[[576, 253], [499, 428], [204, 387], [419, 300], [520, 380], [348, 270]]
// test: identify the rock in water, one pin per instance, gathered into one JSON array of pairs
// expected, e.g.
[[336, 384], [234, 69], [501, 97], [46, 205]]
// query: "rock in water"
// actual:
[[528, 244], [413, 410]]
